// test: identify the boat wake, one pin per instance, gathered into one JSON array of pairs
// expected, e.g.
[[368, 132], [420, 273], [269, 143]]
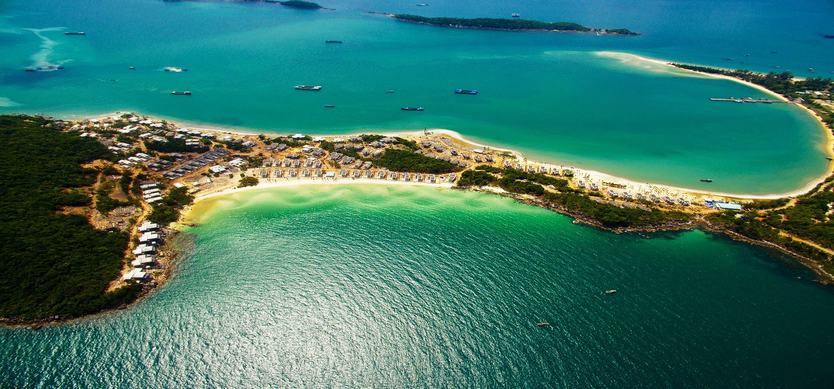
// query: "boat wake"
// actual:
[[41, 60], [6, 102]]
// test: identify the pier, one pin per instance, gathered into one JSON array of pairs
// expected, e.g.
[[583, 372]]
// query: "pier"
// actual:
[[746, 100]]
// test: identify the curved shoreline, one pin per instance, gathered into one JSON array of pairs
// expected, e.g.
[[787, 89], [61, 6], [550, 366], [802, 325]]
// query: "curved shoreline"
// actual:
[[827, 146]]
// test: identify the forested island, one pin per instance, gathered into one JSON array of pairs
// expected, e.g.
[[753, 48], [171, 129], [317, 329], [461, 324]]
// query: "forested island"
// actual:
[[298, 4], [508, 24]]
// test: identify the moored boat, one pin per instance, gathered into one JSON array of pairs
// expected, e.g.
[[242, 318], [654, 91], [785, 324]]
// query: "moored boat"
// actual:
[[466, 91], [181, 93], [707, 180], [313, 88], [611, 291], [412, 108], [174, 69], [516, 15], [75, 33], [329, 106], [332, 41]]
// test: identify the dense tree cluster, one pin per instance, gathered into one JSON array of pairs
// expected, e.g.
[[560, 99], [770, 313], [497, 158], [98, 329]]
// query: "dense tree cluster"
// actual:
[[248, 181], [609, 215], [52, 264], [167, 211], [408, 161]]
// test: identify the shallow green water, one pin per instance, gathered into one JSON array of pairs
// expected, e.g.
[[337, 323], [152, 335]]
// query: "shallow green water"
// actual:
[[548, 95], [373, 286]]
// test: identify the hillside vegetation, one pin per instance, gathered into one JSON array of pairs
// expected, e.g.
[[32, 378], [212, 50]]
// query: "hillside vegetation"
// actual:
[[52, 264]]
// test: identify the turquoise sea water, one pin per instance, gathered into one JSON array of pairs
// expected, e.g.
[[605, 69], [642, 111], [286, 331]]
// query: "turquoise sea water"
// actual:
[[372, 286], [549, 95]]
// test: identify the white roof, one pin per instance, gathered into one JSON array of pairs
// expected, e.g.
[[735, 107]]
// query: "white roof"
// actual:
[[143, 249], [153, 199], [297, 136], [134, 274], [147, 226], [148, 236], [217, 169]]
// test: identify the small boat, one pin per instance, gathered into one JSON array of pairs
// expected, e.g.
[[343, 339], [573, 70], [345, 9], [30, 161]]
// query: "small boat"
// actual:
[[48, 68], [466, 91], [389, 91], [412, 108], [422, 4], [707, 180], [828, 36], [332, 41], [611, 291], [132, 67], [82, 33], [181, 93], [516, 15], [542, 324], [174, 69], [829, 158], [314, 88], [329, 106]]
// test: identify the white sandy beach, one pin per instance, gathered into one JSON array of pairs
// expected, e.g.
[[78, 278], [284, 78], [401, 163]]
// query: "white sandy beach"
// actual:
[[588, 175]]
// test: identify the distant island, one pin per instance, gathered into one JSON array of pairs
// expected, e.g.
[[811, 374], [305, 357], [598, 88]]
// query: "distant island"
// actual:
[[508, 24], [297, 4]]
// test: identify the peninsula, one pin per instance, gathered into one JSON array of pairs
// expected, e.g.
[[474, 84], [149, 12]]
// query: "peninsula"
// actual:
[[118, 184], [498, 24]]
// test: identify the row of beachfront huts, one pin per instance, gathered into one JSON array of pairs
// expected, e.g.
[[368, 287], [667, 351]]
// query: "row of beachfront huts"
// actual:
[[150, 238], [267, 173]]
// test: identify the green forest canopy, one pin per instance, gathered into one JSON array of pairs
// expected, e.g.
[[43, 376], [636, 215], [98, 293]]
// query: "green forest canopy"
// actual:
[[52, 264]]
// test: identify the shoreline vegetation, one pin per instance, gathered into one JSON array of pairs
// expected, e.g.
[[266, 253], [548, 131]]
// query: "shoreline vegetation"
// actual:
[[501, 24], [93, 176]]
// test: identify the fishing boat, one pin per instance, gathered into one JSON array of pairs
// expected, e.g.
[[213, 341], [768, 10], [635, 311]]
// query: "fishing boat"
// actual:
[[174, 69], [466, 91], [313, 88], [181, 93], [707, 180], [611, 291], [412, 108], [543, 324], [75, 33]]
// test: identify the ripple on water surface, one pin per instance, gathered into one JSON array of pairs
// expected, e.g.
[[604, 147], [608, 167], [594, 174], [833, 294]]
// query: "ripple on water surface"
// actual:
[[402, 287]]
